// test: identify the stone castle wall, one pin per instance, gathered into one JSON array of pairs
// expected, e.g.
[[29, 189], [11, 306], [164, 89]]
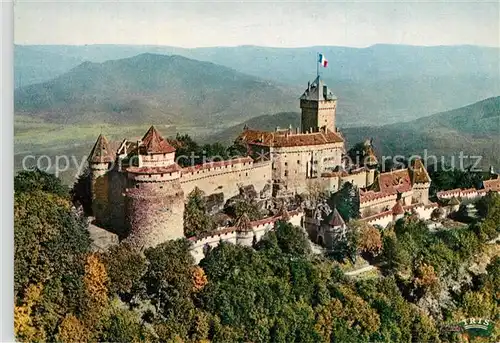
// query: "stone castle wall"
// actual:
[[231, 235], [294, 165], [227, 178]]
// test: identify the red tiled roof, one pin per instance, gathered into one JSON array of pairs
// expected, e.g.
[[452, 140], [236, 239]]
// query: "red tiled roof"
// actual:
[[216, 164], [395, 181], [154, 143], [288, 139], [154, 170], [371, 195]]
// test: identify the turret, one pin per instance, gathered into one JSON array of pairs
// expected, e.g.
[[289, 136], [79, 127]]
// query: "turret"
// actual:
[[244, 232], [318, 106], [100, 161]]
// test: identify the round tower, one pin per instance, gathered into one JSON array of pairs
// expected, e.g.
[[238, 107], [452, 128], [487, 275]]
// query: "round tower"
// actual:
[[154, 207], [154, 199]]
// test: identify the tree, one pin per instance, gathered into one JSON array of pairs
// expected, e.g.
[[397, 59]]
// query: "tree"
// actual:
[[346, 200], [72, 330], [25, 323], [369, 238], [38, 180], [125, 267], [81, 191], [123, 326], [196, 219], [490, 227], [292, 239], [240, 207], [199, 279], [95, 288], [168, 278], [50, 242]]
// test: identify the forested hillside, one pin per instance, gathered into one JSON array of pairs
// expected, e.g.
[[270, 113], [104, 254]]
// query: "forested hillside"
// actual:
[[275, 291]]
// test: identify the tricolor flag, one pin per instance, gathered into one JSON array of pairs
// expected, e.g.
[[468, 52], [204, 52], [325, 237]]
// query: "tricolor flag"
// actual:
[[323, 61]]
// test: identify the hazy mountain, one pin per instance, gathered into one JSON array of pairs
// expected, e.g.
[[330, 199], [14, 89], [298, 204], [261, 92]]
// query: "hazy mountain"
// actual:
[[152, 88], [389, 82], [471, 130]]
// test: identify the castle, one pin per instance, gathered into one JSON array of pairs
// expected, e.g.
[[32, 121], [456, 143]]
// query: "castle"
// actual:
[[139, 191]]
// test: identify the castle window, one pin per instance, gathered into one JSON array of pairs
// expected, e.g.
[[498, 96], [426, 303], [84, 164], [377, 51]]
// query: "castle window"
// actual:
[[298, 161], [161, 187], [286, 163], [161, 175], [286, 172], [246, 174], [170, 174], [136, 186]]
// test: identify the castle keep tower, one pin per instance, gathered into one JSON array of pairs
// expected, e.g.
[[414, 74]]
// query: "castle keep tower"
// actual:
[[318, 106], [154, 199]]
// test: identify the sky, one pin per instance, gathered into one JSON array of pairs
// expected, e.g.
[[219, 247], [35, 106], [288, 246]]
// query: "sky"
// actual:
[[278, 24]]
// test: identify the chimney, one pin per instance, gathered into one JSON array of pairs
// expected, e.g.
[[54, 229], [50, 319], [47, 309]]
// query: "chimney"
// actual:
[[310, 130], [297, 130], [308, 85]]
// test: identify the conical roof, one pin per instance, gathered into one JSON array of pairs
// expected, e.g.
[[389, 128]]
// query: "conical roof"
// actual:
[[419, 173], [335, 219], [243, 224], [398, 208], [101, 152], [154, 143]]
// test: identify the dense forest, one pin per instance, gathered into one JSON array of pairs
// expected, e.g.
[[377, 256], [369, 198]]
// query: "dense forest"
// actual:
[[275, 291]]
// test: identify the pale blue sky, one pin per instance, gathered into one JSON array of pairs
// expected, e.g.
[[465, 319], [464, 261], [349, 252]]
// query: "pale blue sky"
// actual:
[[283, 24]]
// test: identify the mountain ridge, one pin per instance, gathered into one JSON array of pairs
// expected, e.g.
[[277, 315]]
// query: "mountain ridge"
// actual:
[[150, 87], [434, 134]]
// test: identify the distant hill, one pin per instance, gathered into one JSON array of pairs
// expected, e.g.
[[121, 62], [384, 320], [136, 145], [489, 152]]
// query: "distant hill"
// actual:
[[152, 88], [473, 130], [388, 82]]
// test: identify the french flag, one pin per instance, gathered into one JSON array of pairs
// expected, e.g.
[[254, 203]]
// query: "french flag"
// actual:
[[323, 61]]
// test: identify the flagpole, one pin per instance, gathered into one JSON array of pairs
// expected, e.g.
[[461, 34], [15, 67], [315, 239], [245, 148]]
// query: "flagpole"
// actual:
[[317, 64]]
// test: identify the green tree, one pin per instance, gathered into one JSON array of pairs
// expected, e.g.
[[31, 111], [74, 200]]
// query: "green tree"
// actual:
[[38, 180], [346, 200], [196, 219], [125, 267], [81, 191], [168, 278]]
